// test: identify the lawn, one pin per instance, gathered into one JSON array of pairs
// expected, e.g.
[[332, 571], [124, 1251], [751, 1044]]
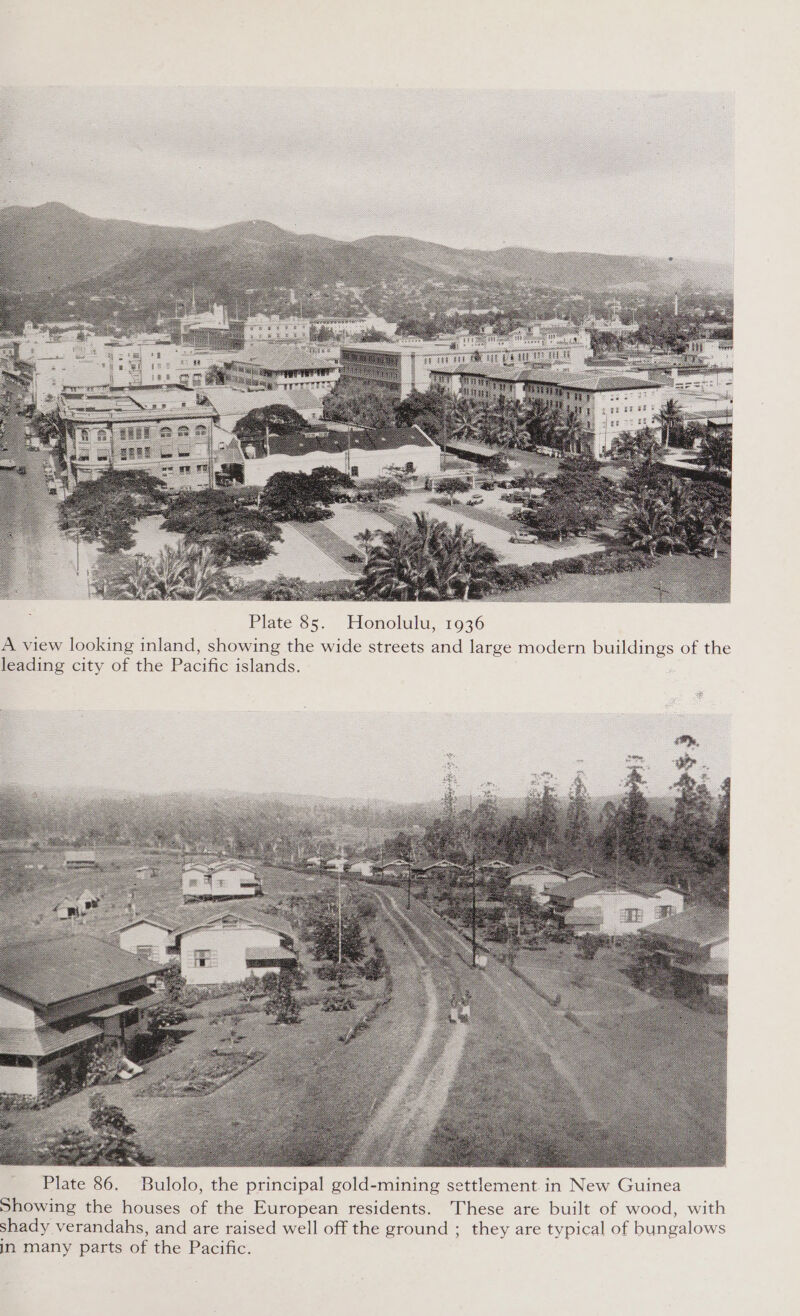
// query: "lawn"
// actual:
[[304, 1103]]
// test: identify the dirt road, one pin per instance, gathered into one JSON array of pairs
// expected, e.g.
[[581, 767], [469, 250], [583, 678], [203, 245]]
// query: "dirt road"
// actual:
[[615, 1112]]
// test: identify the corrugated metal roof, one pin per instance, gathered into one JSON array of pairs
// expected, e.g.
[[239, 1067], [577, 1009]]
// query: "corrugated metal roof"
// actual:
[[45, 1041], [46, 972], [700, 925]]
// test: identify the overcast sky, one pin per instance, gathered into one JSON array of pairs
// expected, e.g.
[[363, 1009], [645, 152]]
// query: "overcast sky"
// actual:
[[631, 172], [370, 756]]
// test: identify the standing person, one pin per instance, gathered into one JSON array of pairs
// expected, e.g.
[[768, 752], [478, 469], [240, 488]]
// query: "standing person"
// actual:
[[453, 1009], [466, 1008]]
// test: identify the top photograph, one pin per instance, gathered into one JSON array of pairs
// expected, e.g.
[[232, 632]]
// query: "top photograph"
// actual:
[[407, 345]]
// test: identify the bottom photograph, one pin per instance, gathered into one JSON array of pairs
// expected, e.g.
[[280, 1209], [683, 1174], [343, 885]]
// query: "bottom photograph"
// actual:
[[291, 939]]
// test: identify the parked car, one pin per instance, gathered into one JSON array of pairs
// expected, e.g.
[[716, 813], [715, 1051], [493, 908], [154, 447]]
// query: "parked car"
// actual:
[[524, 537], [474, 501]]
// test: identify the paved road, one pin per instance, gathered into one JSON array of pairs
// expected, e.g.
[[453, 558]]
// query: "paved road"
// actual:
[[621, 1114], [36, 560]]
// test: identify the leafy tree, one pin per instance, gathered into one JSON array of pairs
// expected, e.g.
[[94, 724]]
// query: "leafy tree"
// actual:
[[287, 1009], [354, 404], [297, 496], [324, 936], [107, 508], [112, 1140], [424, 409], [273, 419]]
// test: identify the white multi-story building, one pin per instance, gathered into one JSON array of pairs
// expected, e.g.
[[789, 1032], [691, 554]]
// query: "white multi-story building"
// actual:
[[605, 405], [281, 367], [163, 431], [400, 367], [711, 351], [263, 328]]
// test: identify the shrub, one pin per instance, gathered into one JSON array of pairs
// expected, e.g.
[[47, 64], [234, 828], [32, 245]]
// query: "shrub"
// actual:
[[287, 1009], [166, 1016], [338, 1001]]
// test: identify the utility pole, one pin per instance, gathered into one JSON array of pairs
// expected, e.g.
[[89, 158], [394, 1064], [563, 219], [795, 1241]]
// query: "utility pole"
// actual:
[[474, 915], [339, 895]]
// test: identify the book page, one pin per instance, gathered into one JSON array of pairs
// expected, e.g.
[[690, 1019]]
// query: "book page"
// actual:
[[401, 915]]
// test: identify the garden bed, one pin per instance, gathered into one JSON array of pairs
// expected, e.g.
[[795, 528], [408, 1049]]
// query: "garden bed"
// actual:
[[210, 1072]]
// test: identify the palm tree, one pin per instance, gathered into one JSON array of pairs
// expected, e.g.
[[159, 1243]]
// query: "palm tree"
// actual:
[[426, 560], [203, 578], [463, 425], [512, 426], [671, 417], [568, 432], [184, 572], [649, 524], [539, 421]]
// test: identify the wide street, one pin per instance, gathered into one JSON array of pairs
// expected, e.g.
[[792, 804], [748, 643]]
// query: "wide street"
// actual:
[[36, 561]]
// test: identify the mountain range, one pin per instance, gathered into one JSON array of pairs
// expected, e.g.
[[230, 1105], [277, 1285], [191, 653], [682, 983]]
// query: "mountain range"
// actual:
[[52, 248]]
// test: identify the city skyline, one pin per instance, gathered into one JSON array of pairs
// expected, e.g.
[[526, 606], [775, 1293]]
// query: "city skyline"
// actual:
[[629, 173]]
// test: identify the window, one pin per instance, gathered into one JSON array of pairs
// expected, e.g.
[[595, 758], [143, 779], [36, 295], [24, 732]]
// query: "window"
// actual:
[[165, 432], [101, 436], [185, 470], [194, 881], [666, 911], [354, 471], [166, 450], [147, 451], [222, 881], [205, 959], [630, 915], [139, 454], [123, 455], [200, 431], [146, 952]]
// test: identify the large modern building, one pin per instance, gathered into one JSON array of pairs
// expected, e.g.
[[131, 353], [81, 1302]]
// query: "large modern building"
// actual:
[[165, 432], [279, 366], [400, 367], [59, 999], [261, 328], [605, 405]]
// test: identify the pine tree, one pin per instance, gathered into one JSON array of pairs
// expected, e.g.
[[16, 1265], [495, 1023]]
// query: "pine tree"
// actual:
[[691, 815], [633, 812], [720, 836], [547, 822], [578, 821]]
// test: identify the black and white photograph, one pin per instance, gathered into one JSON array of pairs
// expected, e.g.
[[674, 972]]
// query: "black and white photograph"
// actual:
[[322, 939], [337, 344]]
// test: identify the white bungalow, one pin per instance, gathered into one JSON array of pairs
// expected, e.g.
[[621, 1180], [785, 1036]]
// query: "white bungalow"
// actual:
[[231, 947], [76, 859], [148, 937], [362, 868], [603, 905], [66, 908], [538, 879], [58, 999], [87, 900], [223, 879]]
